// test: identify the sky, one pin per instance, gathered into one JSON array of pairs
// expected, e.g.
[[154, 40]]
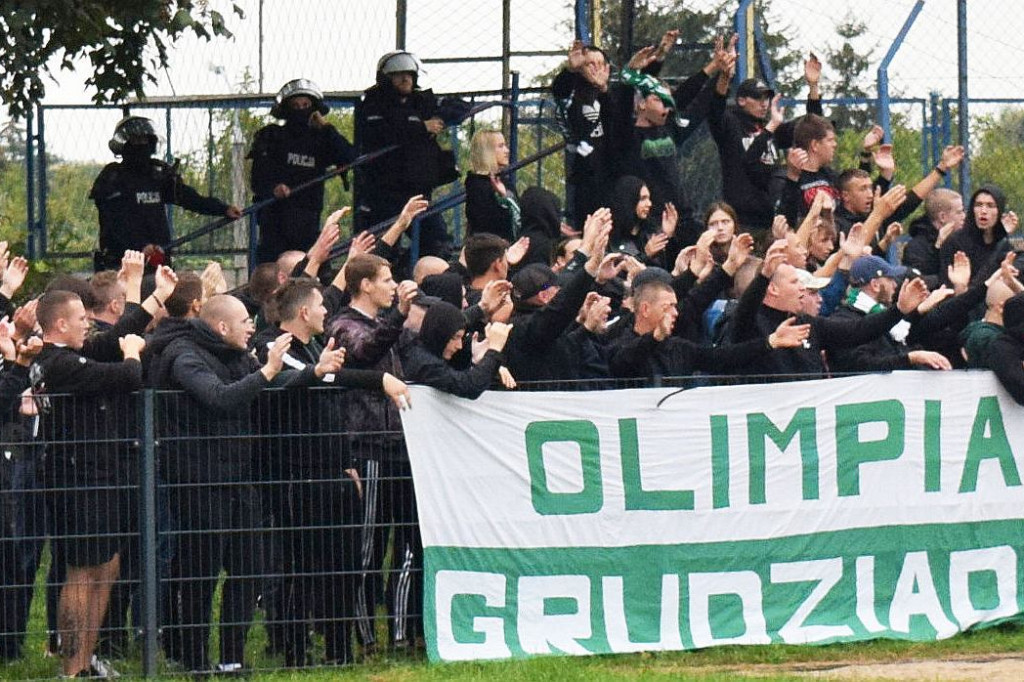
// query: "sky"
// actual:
[[337, 43]]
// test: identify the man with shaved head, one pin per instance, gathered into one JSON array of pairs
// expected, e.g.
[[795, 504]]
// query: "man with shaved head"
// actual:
[[427, 266], [211, 471]]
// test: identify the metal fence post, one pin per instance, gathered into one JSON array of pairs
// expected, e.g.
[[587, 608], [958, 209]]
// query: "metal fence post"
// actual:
[[30, 184], [744, 16], [169, 158], [148, 530], [43, 185], [963, 117], [414, 242], [513, 124], [883, 69], [583, 22]]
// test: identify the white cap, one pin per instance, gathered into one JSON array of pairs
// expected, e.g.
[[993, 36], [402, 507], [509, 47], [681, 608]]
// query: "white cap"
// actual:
[[809, 281]]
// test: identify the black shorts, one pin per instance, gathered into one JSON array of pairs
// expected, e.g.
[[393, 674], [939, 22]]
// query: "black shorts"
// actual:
[[91, 523]]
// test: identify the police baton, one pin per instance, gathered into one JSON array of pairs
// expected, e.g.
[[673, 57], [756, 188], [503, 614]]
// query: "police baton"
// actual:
[[260, 205]]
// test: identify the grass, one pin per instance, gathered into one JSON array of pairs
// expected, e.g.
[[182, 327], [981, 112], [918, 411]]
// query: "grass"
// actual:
[[722, 663]]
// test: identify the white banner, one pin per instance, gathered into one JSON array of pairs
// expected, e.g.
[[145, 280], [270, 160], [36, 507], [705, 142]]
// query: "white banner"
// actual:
[[578, 498]]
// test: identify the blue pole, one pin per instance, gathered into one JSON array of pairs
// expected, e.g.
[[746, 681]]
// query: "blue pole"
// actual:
[[30, 186], [963, 118], [763, 58], [927, 131], [43, 184], [936, 128], [741, 31], [414, 242], [947, 136], [883, 69], [583, 22]]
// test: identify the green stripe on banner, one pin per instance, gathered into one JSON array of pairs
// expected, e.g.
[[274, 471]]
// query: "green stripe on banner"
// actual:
[[920, 582]]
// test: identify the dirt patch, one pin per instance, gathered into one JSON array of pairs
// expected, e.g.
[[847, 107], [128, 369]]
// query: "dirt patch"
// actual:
[[990, 668]]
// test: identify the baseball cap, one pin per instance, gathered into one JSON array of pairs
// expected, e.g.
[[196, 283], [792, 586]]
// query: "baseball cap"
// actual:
[[809, 281], [866, 268], [754, 87], [532, 280]]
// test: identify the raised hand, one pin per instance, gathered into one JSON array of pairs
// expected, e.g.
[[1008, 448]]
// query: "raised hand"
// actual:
[[576, 56], [951, 157], [873, 137], [28, 350], [361, 243], [683, 260], [796, 161], [739, 250], [944, 232], [667, 44], [275, 356], [597, 315], [912, 294], [413, 207], [14, 276], [812, 69], [853, 243], [665, 325], [166, 280], [496, 334], [407, 291], [934, 298], [25, 319], [609, 267], [593, 226], [669, 219], [883, 158], [331, 360], [780, 227], [775, 256], [494, 295], [643, 58], [656, 244], [789, 334], [891, 234], [959, 272], [886, 204], [213, 280], [1009, 220], [131, 346], [517, 251]]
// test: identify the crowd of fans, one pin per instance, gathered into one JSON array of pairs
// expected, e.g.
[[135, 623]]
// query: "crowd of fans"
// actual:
[[789, 275]]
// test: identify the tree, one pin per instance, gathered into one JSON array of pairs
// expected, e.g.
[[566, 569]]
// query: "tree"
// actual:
[[125, 43], [849, 67]]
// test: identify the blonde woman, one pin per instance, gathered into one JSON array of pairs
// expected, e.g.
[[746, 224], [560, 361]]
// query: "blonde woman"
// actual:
[[491, 204]]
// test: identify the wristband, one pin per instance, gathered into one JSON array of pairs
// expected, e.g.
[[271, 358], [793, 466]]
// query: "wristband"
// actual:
[[941, 172]]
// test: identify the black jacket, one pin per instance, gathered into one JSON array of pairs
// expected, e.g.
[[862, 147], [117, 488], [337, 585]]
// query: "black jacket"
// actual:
[[318, 415], [292, 154], [635, 355], [89, 418], [542, 223], [921, 252], [131, 203], [827, 334], [985, 258], [207, 426], [532, 351], [486, 213], [423, 367], [1006, 353], [370, 343]]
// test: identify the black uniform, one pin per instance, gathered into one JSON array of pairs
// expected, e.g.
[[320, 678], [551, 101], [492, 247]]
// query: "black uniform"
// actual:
[[984, 257], [131, 198], [207, 435], [377, 451], [292, 154], [317, 504], [383, 118]]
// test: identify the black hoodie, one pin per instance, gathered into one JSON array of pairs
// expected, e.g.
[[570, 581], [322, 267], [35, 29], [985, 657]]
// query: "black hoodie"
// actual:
[[920, 252], [207, 428], [541, 213], [629, 232], [970, 239], [1007, 350]]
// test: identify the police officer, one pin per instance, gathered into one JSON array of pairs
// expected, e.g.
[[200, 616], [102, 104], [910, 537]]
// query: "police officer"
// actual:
[[285, 156], [130, 196], [396, 111]]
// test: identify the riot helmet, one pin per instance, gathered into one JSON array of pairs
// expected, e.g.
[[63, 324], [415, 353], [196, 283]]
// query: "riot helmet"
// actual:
[[296, 88], [133, 131]]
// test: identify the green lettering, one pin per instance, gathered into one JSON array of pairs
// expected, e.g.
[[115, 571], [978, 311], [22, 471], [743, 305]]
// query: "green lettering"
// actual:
[[932, 446], [760, 428], [584, 434], [636, 496], [719, 461], [995, 445], [851, 451]]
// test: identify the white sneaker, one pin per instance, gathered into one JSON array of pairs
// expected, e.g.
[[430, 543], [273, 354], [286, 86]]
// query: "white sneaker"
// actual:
[[101, 669]]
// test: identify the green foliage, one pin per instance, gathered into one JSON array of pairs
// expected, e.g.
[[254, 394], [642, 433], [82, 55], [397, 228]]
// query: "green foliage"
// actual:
[[849, 67], [997, 152], [125, 43]]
